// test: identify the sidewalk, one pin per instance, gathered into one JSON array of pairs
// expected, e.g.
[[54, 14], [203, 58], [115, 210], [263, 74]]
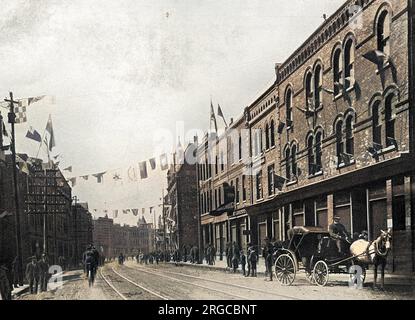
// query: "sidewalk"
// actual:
[[391, 279]]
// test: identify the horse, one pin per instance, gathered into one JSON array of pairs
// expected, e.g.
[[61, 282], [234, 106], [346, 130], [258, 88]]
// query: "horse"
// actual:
[[373, 253]]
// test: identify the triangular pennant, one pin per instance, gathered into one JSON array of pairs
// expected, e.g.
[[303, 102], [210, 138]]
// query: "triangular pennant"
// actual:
[[143, 170], [153, 163], [164, 164]]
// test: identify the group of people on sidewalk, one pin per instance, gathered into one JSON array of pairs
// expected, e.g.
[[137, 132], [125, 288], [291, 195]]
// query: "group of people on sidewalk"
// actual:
[[36, 274]]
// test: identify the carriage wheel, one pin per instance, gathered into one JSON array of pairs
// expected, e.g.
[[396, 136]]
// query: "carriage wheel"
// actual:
[[285, 269], [321, 273]]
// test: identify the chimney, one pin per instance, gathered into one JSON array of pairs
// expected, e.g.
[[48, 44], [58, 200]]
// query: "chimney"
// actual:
[[277, 70]]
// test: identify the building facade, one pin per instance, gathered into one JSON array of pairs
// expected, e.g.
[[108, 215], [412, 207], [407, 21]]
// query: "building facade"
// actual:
[[334, 135], [181, 204]]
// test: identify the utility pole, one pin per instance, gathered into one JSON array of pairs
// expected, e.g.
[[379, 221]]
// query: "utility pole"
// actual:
[[12, 120], [164, 222]]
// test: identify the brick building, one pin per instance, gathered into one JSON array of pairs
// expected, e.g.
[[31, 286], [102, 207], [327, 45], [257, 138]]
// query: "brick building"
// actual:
[[334, 135], [113, 239], [82, 230], [181, 220]]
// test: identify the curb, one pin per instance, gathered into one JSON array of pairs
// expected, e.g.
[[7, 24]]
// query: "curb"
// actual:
[[208, 267]]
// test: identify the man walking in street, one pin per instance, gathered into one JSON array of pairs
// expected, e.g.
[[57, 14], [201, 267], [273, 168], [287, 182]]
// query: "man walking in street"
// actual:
[[5, 287], [43, 273], [243, 262], [253, 259], [32, 275]]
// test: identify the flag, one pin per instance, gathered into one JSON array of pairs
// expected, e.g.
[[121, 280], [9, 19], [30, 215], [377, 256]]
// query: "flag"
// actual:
[[68, 169], [164, 165], [135, 212], [213, 117], [24, 168], [73, 181], [143, 170], [116, 176], [143, 210], [153, 163], [132, 174], [99, 176], [220, 114], [124, 211], [85, 177], [5, 214], [20, 111], [34, 135], [35, 99], [3, 129], [115, 213], [49, 129], [151, 209]]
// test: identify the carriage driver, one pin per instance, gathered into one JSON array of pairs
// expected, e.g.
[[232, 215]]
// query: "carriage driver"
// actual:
[[338, 232]]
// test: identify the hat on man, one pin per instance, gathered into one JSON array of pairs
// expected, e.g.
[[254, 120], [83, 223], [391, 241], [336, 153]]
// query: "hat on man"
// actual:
[[336, 218]]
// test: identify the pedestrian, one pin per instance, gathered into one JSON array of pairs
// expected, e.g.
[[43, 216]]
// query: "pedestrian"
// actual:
[[243, 262], [229, 255], [15, 272], [5, 287], [43, 273], [32, 275], [253, 258], [265, 250], [213, 254], [248, 261], [269, 262], [235, 262]]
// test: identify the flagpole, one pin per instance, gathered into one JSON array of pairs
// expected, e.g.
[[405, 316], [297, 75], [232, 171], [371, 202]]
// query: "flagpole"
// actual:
[[41, 142], [12, 121]]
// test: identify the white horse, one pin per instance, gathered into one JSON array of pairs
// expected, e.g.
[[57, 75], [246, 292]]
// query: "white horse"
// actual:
[[374, 252]]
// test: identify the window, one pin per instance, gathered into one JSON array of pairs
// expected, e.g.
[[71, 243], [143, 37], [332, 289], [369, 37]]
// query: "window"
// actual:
[[267, 142], [271, 187], [294, 160], [349, 136], [237, 190], [288, 164], [222, 161], [309, 88], [288, 107], [240, 146], [376, 123], [317, 86], [243, 188], [383, 32], [259, 185], [349, 64], [216, 198], [318, 152], [337, 71], [389, 120], [220, 196], [272, 133], [339, 141], [310, 154]]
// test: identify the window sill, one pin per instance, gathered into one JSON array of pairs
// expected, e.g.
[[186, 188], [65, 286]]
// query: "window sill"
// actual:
[[338, 96], [344, 165], [291, 183], [351, 88], [387, 150], [383, 68], [315, 175]]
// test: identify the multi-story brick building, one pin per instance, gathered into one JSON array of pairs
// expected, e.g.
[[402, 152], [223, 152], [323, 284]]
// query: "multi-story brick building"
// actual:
[[82, 230], [181, 200], [114, 239], [334, 135]]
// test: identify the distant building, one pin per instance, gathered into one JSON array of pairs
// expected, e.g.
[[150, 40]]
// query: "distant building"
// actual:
[[182, 207], [82, 230]]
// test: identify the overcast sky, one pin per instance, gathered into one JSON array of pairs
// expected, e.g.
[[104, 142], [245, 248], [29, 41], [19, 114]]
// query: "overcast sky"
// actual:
[[123, 70]]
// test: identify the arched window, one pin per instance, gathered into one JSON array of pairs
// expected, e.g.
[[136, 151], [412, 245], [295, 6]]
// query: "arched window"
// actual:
[[288, 164], [383, 32], [294, 160], [349, 63], [337, 71], [376, 123], [267, 142], [349, 136], [272, 133], [288, 107], [309, 88], [339, 141], [317, 152], [310, 153], [390, 119], [317, 86]]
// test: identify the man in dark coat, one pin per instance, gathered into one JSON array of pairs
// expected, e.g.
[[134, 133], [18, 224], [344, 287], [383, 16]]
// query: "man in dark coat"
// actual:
[[32, 275], [43, 273], [243, 262], [253, 259], [339, 233], [5, 287], [267, 248]]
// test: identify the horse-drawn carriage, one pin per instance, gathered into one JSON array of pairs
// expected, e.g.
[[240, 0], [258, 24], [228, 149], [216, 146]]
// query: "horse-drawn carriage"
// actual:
[[313, 250]]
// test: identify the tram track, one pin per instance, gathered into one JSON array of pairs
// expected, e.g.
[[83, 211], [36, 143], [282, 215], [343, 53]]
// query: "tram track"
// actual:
[[236, 286], [126, 283]]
